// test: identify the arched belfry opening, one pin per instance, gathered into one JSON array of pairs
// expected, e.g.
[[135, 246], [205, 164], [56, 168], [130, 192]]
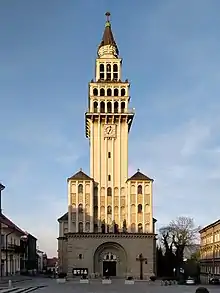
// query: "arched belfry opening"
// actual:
[[102, 71], [115, 72], [108, 72]]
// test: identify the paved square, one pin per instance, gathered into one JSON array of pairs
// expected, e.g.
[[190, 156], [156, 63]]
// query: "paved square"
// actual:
[[117, 286]]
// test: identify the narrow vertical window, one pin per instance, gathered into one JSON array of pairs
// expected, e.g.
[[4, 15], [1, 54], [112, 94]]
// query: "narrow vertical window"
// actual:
[[108, 69], [102, 71]]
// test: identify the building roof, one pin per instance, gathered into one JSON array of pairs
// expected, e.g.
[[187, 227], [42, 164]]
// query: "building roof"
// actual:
[[108, 37], [63, 218], [80, 176], [4, 220], [139, 176], [212, 225], [51, 262], [31, 236]]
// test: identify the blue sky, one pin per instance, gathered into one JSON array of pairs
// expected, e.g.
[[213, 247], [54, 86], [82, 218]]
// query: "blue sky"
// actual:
[[47, 55]]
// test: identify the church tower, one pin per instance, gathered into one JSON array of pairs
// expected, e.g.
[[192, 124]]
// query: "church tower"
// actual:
[[109, 229], [108, 122]]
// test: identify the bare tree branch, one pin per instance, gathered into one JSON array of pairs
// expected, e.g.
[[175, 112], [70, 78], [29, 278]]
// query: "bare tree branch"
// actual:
[[183, 231]]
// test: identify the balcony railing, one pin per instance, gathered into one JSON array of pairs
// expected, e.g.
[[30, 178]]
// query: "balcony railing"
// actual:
[[13, 248], [125, 111]]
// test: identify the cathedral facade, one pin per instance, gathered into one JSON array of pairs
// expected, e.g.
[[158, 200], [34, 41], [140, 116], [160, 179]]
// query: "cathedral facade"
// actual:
[[109, 226]]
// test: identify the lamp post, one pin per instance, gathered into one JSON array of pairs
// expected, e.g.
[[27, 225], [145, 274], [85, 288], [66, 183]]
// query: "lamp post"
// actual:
[[2, 187]]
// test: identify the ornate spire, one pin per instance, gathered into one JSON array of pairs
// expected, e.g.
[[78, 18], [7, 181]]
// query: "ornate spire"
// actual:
[[108, 38]]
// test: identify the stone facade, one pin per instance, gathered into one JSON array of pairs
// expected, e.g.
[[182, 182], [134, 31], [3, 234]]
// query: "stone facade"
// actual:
[[110, 221], [210, 250]]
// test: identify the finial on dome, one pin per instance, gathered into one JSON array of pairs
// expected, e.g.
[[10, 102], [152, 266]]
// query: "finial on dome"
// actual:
[[138, 170]]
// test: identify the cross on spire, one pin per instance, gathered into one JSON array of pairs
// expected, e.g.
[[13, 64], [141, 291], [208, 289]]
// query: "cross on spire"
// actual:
[[108, 16], [108, 38]]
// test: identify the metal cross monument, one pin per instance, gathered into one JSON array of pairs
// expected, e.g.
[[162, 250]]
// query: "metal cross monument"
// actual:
[[141, 259]]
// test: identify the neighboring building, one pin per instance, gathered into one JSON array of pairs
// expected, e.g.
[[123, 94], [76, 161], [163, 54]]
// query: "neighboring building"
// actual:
[[110, 222], [210, 249], [44, 262], [29, 260], [40, 261], [10, 246], [52, 264]]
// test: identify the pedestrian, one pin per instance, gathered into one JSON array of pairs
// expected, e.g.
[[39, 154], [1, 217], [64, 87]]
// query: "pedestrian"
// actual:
[[202, 290]]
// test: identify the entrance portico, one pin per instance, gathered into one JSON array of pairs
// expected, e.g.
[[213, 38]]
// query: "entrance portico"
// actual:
[[110, 258]]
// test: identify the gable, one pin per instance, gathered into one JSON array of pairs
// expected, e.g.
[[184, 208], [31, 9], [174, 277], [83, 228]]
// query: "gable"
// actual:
[[63, 218], [139, 176], [80, 176]]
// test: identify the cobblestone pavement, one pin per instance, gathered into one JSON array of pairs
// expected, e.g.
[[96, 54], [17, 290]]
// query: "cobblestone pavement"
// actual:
[[117, 286]]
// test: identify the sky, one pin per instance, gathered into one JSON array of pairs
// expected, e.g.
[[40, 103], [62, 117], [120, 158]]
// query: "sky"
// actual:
[[170, 52]]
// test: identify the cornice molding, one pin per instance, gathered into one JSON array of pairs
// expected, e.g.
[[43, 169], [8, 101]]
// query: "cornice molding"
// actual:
[[112, 235]]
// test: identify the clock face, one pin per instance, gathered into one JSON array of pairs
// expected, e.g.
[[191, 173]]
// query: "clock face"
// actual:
[[109, 130]]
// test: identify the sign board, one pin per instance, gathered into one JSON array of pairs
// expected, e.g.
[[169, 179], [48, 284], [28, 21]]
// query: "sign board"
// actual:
[[80, 271]]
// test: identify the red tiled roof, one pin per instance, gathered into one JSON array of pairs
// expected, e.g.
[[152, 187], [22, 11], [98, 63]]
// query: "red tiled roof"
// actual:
[[4, 220], [51, 262]]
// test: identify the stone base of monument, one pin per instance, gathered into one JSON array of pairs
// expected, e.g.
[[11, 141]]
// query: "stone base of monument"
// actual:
[[84, 281], [129, 282], [61, 281], [106, 281]]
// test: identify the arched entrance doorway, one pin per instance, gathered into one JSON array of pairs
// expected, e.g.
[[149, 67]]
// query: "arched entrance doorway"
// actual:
[[110, 259]]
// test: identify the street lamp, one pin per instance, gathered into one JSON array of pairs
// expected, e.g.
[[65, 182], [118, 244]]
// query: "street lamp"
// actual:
[[2, 187]]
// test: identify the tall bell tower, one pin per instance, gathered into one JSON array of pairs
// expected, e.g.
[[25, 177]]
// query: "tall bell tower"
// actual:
[[109, 228], [108, 121]]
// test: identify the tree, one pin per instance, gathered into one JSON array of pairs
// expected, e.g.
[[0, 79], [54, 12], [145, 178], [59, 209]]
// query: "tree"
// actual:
[[174, 238], [183, 232], [167, 262], [196, 256]]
